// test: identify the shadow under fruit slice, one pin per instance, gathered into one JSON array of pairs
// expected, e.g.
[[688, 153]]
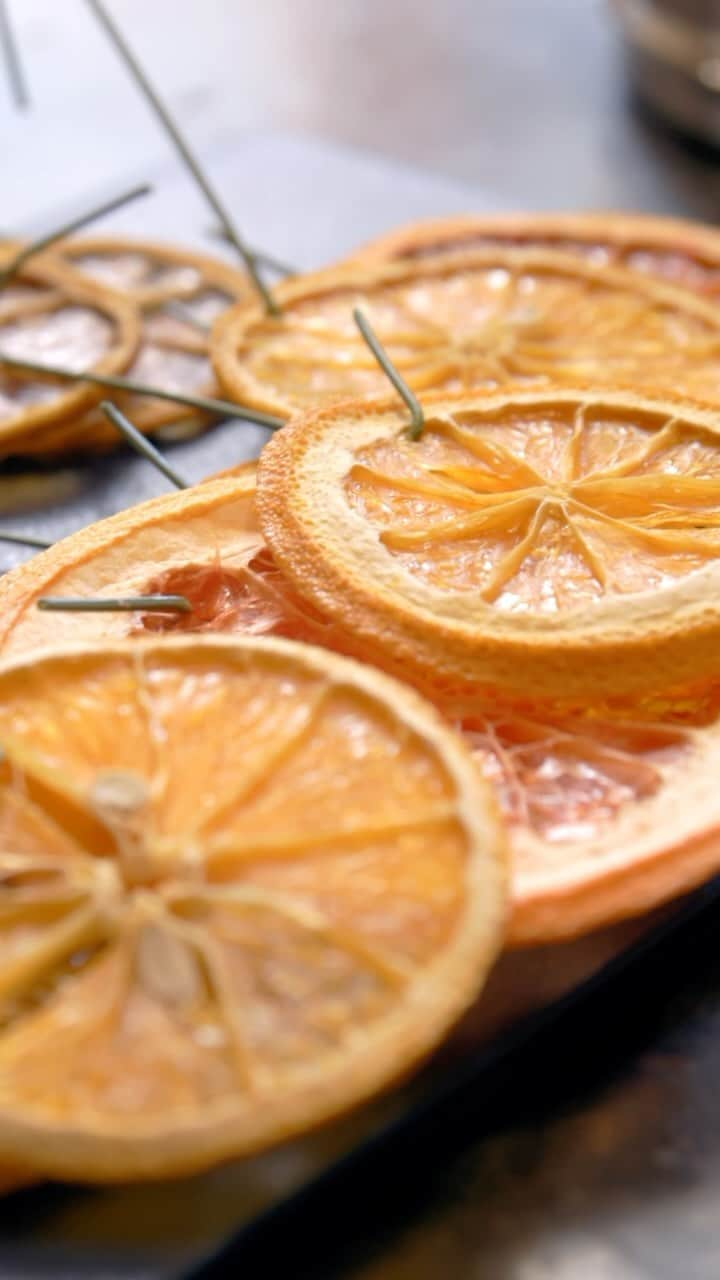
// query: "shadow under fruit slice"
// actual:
[[244, 884], [612, 807], [477, 319]]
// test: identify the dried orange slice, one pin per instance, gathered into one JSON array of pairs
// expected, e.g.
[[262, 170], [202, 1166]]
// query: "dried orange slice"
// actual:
[[180, 293], [612, 806], [675, 250], [561, 543], [47, 312], [468, 320], [203, 543], [243, 885]]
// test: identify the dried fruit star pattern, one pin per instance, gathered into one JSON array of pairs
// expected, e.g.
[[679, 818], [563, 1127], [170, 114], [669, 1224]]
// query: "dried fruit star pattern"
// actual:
[[48, 313], [458, 321], [210, 947], [612, 807], [560, 543]]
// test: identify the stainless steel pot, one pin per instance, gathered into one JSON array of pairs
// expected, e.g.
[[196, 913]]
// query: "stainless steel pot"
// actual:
[[674, 53]]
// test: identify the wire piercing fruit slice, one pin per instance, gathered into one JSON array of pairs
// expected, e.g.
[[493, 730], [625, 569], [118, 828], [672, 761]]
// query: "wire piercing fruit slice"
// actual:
[[676, 250], [612, 807], [266, 897], [203, 543], [47, 312], [468, 320], [180, 293], [558, 543]]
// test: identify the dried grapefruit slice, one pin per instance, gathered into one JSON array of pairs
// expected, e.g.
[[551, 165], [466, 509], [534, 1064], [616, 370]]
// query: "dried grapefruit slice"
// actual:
[[562, 543], [468, 320], [47, 312], [676, 250], [612, 807], [243, 885], [180, 293]]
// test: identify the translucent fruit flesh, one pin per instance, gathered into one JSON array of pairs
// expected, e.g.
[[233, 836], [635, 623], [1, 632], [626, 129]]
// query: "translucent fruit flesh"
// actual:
[[190, 967], [561, 774], [576, 784], [483, 319], [676, 267], [251, 599], [543, 512], [180, 295], [48, 316], [562, 777], [72, 336], [672, 250]]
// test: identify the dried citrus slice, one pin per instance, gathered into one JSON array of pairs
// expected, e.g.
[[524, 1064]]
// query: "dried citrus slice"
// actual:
[[476, 319], [180, 293], [243, 885], [676, 250], [612, 806], [561, 543], [48, 313], [203, 543]]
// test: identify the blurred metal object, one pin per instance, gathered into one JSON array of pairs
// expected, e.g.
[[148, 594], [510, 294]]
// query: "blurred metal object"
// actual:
[[140, 443], [674, 54], [13, 65]]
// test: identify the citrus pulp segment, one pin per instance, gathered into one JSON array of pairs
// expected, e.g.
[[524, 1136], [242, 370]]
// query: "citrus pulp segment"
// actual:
[[473, 320], [243, 885], [558, 543], [611, 807]]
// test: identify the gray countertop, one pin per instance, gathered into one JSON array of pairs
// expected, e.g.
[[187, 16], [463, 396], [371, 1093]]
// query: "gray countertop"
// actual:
[[525, 98], [507, 103]]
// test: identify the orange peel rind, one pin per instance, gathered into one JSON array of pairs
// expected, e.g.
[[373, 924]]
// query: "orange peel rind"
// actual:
[[553, 543], [478, 319], [268, 896]]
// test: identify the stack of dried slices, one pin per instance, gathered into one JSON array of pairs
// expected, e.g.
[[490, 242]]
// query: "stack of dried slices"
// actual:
[[254, 853], [107, 306]]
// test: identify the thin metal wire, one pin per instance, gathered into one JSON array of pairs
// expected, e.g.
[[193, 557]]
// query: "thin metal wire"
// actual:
[[221, 408], [110, 604], [267, 259], [180, 311], [141, 444], [417, 416], [24, 540], [13, 65], [75, 224], [188, 157]]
